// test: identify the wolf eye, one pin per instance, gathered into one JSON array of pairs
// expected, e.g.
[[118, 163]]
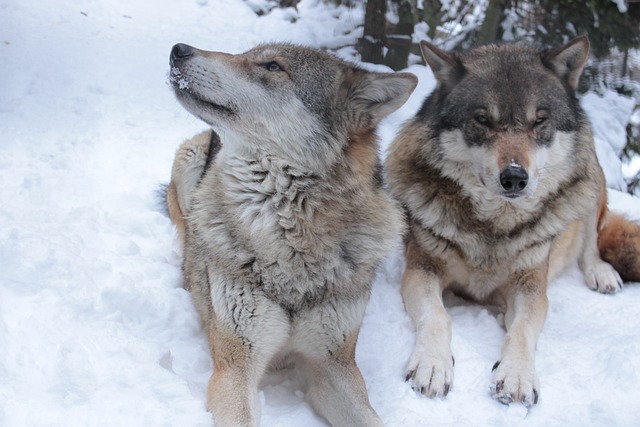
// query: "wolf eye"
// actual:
[[272, 66], [539, 121], [483, 120]]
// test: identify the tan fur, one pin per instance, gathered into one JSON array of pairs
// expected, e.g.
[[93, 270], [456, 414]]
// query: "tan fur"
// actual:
[[619, 245], [175, 213], [513, 148], [565, 249], [471, 233], [619, 241], [286, 219], [365, 160], [229, 354], [188, 162]]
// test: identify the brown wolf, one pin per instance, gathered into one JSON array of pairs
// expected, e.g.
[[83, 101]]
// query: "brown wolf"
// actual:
[[283, 218], [502, 188]]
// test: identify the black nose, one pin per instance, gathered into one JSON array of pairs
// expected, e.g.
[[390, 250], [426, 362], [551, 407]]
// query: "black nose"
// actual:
[[180, 52], [514, 179]]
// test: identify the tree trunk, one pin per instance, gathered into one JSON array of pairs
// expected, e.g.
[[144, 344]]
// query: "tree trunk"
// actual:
[[289, 3], [491, 29], [432, 15], [399, 43], [625, 63], [373, 40]]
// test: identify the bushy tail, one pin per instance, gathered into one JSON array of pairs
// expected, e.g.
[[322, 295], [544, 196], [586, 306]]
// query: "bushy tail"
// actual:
[[619, 245]]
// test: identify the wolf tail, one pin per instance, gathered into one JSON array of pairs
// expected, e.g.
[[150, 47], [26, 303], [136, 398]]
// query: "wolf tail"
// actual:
[[189, 165], [619, 245]]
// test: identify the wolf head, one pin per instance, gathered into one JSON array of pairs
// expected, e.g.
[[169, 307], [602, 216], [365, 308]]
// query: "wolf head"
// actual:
[[284, 99], [508, 113]]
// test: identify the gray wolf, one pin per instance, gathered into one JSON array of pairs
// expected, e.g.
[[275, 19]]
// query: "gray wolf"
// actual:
[[502, 189], [283, 229]]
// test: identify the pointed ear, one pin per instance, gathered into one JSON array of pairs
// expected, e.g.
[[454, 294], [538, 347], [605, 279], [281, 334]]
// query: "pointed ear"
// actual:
[[568, 61], [376, 95], [445, 66]]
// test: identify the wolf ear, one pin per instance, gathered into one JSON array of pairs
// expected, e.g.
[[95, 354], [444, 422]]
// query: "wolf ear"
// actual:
[[568, 61], [445, 66], [376, 95]]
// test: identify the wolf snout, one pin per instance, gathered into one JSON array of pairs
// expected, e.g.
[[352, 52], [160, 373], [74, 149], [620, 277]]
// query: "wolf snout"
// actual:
[[180, 52], [514, 180]]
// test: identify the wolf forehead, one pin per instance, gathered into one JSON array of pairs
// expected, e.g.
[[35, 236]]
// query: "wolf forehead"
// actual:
[[317, 72], [297, 56], [512, 82], [518, 68]]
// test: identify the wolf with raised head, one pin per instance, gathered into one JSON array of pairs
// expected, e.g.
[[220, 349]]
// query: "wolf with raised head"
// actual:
[[283, 218], [499, 179]]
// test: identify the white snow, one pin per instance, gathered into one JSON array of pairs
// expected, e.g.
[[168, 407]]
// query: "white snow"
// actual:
[[622, 5], [609, 114], [95, 329]]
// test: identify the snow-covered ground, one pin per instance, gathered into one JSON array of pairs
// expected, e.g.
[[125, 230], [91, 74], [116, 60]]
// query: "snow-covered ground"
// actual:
[[95, 329]]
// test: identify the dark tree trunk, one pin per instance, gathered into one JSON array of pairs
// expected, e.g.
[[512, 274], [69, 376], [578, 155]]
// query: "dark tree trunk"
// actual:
[[289, 3], [491, 29], [399, 42], [432, 15], [373, 40], [625, 63]]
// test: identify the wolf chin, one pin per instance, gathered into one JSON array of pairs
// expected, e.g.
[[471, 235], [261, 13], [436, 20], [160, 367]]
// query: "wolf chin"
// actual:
[[502, 189], [283, 218]]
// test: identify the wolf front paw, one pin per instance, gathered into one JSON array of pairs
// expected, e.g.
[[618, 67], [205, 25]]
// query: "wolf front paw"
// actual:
[[602, 277], [514, 385], [193, 154], [431, 375]]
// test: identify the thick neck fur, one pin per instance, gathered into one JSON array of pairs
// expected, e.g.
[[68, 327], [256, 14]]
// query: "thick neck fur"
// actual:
[[307, 151], [277, 166], [448, 200], [292, 218]]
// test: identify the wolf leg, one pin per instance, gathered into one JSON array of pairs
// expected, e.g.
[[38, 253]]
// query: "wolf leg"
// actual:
[[232, 394], [599, 274], [514, 376], [430, 366], [188, 167], [326, 337], [245, 336], [581, 242]]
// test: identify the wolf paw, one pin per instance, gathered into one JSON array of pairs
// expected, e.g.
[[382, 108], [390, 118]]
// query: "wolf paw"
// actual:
[[431, 376], [194, 155], [602, 277], [514, 385], [193, 152]]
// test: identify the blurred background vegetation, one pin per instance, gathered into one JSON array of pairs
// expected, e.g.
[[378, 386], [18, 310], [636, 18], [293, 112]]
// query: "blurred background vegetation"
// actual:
[[613, 28], [392, 30]]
